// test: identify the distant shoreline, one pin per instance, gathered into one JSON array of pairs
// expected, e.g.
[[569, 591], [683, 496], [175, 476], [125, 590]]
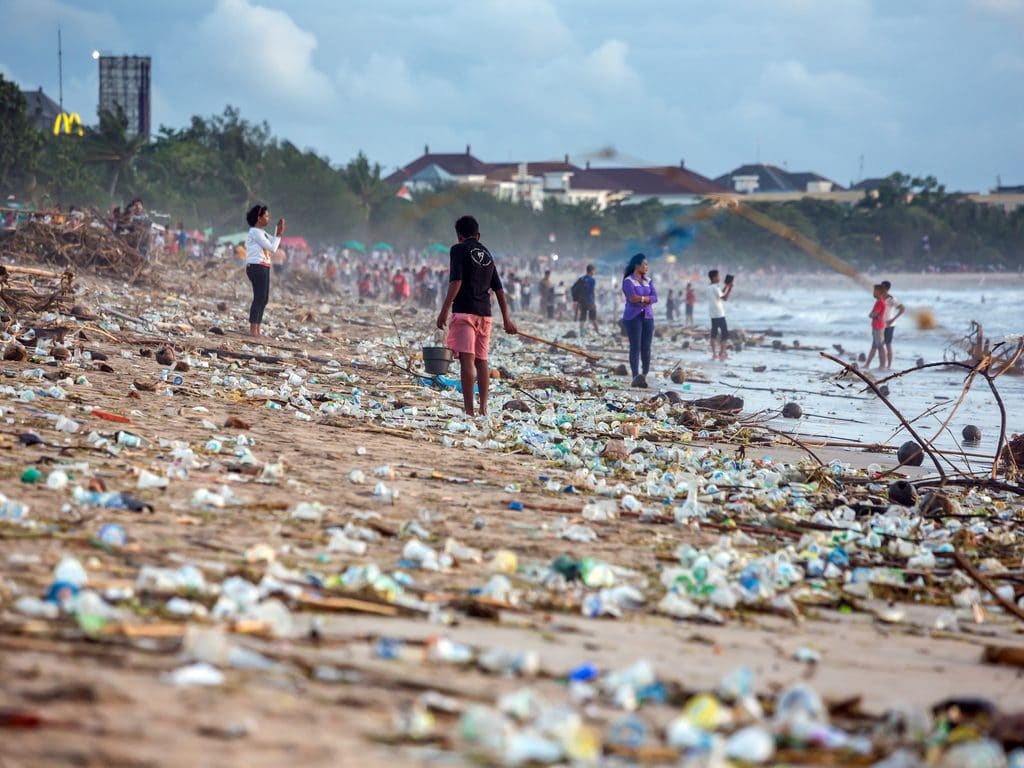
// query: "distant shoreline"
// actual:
[[946, 280]]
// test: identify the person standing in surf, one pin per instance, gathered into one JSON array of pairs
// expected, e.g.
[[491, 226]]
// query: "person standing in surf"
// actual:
[[893, 311]]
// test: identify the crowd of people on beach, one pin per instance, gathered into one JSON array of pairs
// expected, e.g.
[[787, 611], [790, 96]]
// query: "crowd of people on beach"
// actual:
[[527, 284], [472, 279]]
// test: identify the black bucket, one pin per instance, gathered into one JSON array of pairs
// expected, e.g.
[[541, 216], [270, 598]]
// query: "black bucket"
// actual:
[[437, 359]]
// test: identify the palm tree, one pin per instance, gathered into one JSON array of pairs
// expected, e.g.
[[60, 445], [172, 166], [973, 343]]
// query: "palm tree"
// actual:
[[110, 145], [365, 182]]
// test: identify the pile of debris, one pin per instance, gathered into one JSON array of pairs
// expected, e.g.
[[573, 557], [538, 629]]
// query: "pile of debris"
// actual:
[[23, 289], [89, 246]]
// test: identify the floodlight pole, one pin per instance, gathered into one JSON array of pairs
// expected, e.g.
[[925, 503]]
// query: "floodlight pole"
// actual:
[[60, 71]]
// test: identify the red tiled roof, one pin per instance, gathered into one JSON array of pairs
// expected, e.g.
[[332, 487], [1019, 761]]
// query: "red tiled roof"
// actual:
[[655, 180]]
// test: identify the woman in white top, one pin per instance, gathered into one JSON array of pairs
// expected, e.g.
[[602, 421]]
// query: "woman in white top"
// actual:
[[259, 249]]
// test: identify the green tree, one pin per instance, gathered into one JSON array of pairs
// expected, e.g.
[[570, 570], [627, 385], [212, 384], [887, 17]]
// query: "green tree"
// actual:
[[109, 145], [365, 182], [20, 141]]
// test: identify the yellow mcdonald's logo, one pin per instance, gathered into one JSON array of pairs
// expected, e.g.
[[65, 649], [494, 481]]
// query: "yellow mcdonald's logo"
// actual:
[[68, 123]]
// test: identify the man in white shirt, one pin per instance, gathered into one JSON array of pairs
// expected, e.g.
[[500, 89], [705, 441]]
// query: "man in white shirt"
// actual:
[[893, 310], [717, 296]]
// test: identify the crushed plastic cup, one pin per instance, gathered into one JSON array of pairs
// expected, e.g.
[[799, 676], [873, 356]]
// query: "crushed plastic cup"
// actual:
[[64, 424], [307, 511], [149, 479], [57, 480], [113, 535], [199, 674], [753, 744], [504, 561]]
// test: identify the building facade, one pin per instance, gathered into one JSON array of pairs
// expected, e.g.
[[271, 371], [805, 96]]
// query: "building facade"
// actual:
[[125, 84]]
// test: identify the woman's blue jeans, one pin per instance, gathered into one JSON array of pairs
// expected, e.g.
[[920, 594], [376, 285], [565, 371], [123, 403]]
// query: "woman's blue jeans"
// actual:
[[641, 332]]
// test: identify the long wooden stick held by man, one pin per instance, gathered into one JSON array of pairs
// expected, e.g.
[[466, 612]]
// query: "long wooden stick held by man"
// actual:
[[564, 347]]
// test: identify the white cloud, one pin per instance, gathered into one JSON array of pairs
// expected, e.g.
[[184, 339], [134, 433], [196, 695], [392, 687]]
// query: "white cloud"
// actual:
[[386, 82], [830, 92], [608, 66], [999, 7], [528, 28], [263, 53], [39, 18]]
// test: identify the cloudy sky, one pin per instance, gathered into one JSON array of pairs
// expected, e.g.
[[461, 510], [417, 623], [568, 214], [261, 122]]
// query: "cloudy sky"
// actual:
[[921, 86]]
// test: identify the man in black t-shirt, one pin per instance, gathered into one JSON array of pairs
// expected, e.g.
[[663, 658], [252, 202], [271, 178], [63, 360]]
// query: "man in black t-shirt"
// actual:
[[472, 278]]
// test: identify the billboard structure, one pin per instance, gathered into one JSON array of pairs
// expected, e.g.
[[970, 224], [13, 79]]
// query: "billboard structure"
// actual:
[[125, 83]]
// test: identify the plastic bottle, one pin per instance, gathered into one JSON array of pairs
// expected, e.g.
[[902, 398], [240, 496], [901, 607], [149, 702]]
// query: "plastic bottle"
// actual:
[[106, 499], [443, 649], [70, 571], [128, 440], [421, 555], [12, 511], [501, 661], [595, 573], [691, 507], [36, 608], [339, 542]]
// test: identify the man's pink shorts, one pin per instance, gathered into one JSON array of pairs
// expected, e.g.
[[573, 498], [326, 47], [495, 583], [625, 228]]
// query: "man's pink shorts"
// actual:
[[470, 334]]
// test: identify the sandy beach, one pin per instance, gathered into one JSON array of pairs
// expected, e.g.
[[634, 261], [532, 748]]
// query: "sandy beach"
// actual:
[[338, 670]]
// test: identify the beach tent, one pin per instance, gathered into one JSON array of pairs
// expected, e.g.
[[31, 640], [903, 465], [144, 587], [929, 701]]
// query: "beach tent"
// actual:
[[382, 246], [236, 237], [295, 242], [354, 245]]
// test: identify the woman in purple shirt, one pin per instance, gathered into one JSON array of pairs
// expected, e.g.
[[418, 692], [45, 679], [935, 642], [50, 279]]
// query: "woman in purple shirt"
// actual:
[[638, 316]]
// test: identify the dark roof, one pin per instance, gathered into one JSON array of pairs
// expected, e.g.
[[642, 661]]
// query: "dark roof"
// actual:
[[42, 110], [868, 184], [654, 180], [771, 178], [803, 178], [457, 164], [1012, 189]]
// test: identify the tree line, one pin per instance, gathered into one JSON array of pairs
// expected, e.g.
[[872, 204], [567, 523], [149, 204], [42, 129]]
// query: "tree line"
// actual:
[[207, 173]]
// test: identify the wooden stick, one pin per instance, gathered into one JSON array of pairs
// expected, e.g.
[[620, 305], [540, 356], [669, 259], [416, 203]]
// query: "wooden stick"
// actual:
[[981, 581], [563, 347], [16, 270]]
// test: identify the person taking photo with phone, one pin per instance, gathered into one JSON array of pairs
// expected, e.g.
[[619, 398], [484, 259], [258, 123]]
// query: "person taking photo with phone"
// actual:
[[717, 296]]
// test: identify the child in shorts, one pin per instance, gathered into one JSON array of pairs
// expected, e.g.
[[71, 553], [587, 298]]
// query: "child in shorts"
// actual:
[[877, 317]]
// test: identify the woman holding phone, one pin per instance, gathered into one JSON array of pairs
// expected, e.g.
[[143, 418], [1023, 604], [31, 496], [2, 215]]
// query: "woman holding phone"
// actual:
[[638, 317], [259, 251]]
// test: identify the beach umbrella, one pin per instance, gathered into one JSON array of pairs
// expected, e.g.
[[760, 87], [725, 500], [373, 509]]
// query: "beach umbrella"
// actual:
[[354, 245], [382, 246], [437, 248], [236, 237], [295, 242]]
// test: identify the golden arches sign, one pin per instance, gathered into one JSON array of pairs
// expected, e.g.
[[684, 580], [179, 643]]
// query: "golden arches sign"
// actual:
[[68, 123]]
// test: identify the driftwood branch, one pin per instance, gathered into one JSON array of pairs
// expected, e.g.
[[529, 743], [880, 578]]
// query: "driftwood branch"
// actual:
[[925, 446]]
